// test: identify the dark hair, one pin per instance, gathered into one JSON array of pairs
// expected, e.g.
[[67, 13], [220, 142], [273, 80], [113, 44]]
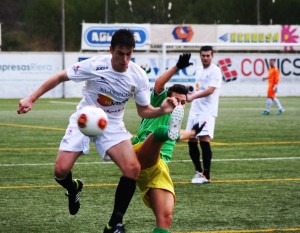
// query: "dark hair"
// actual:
[[207, 48], [123, 37], [177, 88]]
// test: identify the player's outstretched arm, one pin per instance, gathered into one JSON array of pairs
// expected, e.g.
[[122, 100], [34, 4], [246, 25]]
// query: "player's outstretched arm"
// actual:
[[26, 104], [183, 62], [151, 112], [196, 95]]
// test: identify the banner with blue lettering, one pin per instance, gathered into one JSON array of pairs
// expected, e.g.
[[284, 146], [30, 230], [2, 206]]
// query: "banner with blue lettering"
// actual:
[[98, 36], [152, 36]]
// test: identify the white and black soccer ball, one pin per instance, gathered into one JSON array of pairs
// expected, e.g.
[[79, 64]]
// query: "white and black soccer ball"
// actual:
[[91, 120]]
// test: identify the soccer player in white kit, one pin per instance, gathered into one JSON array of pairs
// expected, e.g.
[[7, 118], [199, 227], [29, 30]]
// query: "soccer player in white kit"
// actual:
[[204, 108], [110, 81]]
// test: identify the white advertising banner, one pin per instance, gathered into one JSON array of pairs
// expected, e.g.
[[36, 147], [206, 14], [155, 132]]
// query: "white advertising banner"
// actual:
[[21, 73], [98, 36], [258, 34], [242, 73], [249, 34], [190, 33]]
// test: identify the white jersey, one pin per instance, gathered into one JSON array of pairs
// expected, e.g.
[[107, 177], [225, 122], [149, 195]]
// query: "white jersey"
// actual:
[[109, 89], [208, 77]]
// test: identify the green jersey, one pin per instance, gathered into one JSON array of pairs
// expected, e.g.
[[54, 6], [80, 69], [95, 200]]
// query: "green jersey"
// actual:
[[149, 125]]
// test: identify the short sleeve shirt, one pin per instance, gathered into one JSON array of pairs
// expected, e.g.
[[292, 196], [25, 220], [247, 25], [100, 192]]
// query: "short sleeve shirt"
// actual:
[[273, 76], [210, 76], [106, 88]]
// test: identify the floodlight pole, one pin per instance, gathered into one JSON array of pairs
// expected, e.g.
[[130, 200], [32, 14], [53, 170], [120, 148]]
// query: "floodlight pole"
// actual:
[[63, 41], [258, 11], [106, 11], [0, 37]]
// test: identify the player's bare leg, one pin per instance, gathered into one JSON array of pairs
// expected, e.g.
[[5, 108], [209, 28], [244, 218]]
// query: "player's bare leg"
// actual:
[[162, 204], [64, 163], [148, 154]]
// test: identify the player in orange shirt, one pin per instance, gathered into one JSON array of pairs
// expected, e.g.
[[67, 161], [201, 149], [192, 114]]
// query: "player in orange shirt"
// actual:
[[274, 79]]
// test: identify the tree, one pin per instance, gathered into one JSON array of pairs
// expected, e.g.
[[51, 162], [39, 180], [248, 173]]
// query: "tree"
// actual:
[[11, 24], [42, 23], [35, 25]]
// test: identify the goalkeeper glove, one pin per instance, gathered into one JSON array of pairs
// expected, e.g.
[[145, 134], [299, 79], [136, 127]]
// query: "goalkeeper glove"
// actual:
[[184, 61], [198, 128]]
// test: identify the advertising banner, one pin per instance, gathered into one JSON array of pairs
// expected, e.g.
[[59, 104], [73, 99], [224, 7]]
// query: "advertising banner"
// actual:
[[242, 73], [22, 73], [190, 33], [256, 34], [98, 36]]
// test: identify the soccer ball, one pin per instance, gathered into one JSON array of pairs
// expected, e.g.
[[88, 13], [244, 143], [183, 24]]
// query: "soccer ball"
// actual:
[[91, 120]]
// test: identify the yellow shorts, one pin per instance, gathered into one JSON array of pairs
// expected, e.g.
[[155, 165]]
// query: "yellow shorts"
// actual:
[[157, 177], [137, 146]]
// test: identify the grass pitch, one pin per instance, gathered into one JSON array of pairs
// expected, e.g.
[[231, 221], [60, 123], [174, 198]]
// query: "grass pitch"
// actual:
[[255, 173]]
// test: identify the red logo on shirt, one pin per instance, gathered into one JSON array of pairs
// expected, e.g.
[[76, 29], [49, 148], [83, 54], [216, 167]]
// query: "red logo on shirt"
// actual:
[[76, 68], [104, 100]]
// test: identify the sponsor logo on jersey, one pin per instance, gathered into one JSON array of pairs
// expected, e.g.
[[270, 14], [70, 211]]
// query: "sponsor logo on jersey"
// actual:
[[75, 69], [106, 100], [101, 68]]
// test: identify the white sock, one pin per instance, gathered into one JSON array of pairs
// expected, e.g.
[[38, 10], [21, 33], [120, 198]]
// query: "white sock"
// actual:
[[277, 102], [269, 104]]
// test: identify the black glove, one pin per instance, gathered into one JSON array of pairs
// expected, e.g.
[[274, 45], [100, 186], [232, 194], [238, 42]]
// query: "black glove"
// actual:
[[184, 61], [198, 128]]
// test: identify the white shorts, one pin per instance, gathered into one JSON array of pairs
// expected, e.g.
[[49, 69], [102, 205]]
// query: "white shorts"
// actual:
[[74, 140], [209, 127]]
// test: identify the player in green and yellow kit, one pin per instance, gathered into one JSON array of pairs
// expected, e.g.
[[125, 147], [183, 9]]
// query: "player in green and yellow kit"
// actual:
[[154, 144]]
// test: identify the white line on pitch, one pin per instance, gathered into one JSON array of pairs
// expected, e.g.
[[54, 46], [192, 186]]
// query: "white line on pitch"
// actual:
[[63, 102], [172, 161]]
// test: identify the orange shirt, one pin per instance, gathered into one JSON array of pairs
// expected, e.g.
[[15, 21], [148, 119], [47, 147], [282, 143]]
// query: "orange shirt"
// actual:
[[273, 78]]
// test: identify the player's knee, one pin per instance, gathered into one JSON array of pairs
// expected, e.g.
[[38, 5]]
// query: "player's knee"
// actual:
[[165, 220], [132, 170], [136, 170], [61, 171], [169, 219]]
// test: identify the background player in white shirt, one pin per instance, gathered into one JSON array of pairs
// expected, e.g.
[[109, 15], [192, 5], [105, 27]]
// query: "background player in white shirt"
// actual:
[[204, 108], [110, 81]]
